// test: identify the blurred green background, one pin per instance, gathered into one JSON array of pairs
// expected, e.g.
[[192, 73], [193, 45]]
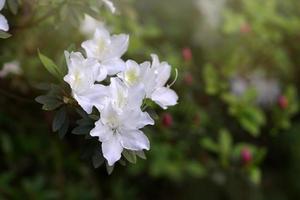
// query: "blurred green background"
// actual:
[[234, 134]]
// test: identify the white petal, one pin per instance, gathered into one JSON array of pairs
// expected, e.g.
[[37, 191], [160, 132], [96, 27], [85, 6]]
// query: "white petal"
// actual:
[[163, 74], [94, 96], [118, 46], [131, 75], [114, 66], [136, 95], [2, 2], [90, 48], [110, 5], [155, 60], [134, 140], [3, 23], [112, 150], [103, 132], [164, 97], [135, 119], [102, 33]]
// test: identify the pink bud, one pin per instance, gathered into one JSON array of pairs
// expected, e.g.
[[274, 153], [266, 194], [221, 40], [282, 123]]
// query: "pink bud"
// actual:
[[167, 120], [246, 156], [283, 102], [188, 79], [187, 54], [245, 28]]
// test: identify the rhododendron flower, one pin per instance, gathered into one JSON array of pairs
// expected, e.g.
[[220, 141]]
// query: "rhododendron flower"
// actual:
[[82, 74], [154, 77], [120, 121], [110, 5], [107, 49], [89, 25], [12, 67], [132, 73], [3, 22], [122, 96]]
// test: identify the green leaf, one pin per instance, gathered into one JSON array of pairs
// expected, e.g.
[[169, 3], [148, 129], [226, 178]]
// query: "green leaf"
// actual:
[[13, 6], [209, 145], [97, 159], [4, 35], [50, 66], [141, 154], [49, 102], [59, 119], [109, 169], [64, 129], [129, 155], [82, 130], [255, 175]]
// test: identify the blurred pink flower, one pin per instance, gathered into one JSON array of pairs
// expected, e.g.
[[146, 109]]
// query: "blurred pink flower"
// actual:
[[187, 54], [167, 120]]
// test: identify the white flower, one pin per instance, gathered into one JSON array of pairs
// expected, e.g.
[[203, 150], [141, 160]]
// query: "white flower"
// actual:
[[89, 25], [110, 5], [153, 77], [131, 74], [11, 68], [121, 96], [107, 50], [82, 74], [3, 21], [119, 124]]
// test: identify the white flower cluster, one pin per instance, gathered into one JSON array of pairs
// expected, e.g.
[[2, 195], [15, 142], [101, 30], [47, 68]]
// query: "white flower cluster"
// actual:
[[3, 21], [119, 103]]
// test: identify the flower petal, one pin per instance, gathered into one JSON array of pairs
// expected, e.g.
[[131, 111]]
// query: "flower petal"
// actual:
[[94, 96], [112, 150], [2, 2], [164, 97], [163, 74], [114, 66], [134, 140], [118, 46], [3, 23], [103, 132]]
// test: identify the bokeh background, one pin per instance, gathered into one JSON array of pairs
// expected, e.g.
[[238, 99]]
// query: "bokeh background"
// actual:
[[234, 134]]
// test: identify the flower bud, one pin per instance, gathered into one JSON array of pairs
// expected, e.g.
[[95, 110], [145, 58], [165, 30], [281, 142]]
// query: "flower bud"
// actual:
[[167, 120], [246, 156], [245, 28], [187, 54], [283, 102]]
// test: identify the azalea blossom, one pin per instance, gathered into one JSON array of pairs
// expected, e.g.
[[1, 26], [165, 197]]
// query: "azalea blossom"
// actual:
[[120, 121], [82, 74], [154, 78], [110, 5], [131, 74], [89, 25], [122, 97], [12, 67], [3, 22], [107, 49]]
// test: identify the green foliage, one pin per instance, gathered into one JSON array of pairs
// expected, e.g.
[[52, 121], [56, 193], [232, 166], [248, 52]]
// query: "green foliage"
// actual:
[[201, 153]]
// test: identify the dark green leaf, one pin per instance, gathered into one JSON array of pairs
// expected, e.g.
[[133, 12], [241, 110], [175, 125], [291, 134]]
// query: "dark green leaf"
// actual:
[[97, 159], [59, 119], [64, 129], [129, 155], [109, 169], [141, 154], [82, 130]]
